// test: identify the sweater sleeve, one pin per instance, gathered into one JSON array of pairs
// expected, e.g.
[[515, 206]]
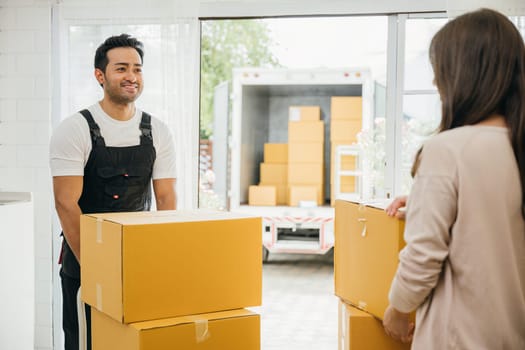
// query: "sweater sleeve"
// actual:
[[431, 211]]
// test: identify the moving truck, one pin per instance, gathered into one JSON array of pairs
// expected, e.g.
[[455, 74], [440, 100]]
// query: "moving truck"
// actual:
[[264, 110]]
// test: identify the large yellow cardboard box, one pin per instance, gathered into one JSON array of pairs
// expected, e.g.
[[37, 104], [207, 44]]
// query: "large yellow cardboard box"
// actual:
[[359, 330], [276, 153], [262, 195], [306, 152], [303, 193], [304, 113], [149, 265], [231, 330], [367, 245], [306, 131], [346, 108], [273, 173], [305, 173], [344, 131]]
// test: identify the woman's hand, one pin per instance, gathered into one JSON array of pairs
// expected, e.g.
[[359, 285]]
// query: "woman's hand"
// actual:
[[393, 208], [397, 325]]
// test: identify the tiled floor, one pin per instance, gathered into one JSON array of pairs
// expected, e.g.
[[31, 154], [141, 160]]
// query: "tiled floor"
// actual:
[[299, 309]]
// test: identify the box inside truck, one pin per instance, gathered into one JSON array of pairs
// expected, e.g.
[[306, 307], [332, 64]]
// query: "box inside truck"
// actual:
[[265, 116]]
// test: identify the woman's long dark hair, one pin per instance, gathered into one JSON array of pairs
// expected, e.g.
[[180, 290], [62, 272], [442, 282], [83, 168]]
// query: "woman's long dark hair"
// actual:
[[479, 68]]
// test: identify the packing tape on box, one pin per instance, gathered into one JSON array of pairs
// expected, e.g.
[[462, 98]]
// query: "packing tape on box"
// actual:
[[363, 220], [201, 330], [99, 296], [99, 230], [362, 305]]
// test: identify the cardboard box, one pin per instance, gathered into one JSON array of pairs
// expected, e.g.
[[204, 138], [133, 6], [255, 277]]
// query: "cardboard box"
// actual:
[[273, 173], [149, 265], [346, 108], [303, 193], [262, 195], [306, 152], [359, 330], [232, 330], [276, 153], [319, 191], [345, 131], [305, 173], [304, 113], [281, 192], [367, 245], [307, 131]]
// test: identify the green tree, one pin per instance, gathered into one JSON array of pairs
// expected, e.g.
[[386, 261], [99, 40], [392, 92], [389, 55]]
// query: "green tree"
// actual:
[[228, 44]]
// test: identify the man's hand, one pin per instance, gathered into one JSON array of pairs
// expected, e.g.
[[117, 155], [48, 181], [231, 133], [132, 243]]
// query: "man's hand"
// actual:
[[398, 325]]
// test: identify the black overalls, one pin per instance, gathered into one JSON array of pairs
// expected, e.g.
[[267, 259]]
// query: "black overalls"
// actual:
[[115, 179]]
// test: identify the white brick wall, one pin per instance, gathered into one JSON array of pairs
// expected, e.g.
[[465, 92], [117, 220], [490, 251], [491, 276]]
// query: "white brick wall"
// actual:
[[17, 41], [7, 109], [25, 124]]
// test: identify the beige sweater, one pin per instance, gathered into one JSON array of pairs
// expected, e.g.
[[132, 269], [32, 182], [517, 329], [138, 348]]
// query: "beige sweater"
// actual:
[[463, 268]]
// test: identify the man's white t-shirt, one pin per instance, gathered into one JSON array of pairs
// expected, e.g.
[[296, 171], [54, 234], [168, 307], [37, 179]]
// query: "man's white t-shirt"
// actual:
[[71, 142]]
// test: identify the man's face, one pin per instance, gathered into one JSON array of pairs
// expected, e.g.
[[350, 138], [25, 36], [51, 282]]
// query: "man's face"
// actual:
[[122, 80]]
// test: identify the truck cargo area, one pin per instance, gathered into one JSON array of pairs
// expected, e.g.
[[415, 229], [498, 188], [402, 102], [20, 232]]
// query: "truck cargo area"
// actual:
[[260, 115]]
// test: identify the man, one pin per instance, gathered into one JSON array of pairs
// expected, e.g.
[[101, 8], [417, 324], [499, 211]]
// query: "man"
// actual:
[[104, 159]]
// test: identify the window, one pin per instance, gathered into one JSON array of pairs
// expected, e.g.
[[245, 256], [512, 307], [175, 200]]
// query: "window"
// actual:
[[519, 21], [278, 68], [421, 105], [82, 89]]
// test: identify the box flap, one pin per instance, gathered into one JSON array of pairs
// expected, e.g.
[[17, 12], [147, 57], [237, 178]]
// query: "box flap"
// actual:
[[380, 203], [168, 216], [192, 319]]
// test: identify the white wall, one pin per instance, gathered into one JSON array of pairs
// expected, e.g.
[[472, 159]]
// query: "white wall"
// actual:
[[24, 133]]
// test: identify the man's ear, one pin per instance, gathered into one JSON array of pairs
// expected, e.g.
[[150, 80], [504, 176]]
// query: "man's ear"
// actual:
[[99, 75]]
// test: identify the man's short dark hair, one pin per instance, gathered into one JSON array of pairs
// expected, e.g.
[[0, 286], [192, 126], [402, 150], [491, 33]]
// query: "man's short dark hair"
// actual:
[[122, 40]]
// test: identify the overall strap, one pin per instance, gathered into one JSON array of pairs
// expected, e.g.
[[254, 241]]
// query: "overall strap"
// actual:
[[94, 130], [145, 128]]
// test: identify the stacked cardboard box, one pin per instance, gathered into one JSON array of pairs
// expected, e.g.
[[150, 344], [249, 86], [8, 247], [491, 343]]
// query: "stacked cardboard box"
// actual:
[[262, 195], [164, 280], [304, 113], [358, 330], [273, 177], [305, 155], [367, 245], [346, 122]]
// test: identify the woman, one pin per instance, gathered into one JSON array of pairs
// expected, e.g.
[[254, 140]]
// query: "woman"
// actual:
[[463, 268]]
